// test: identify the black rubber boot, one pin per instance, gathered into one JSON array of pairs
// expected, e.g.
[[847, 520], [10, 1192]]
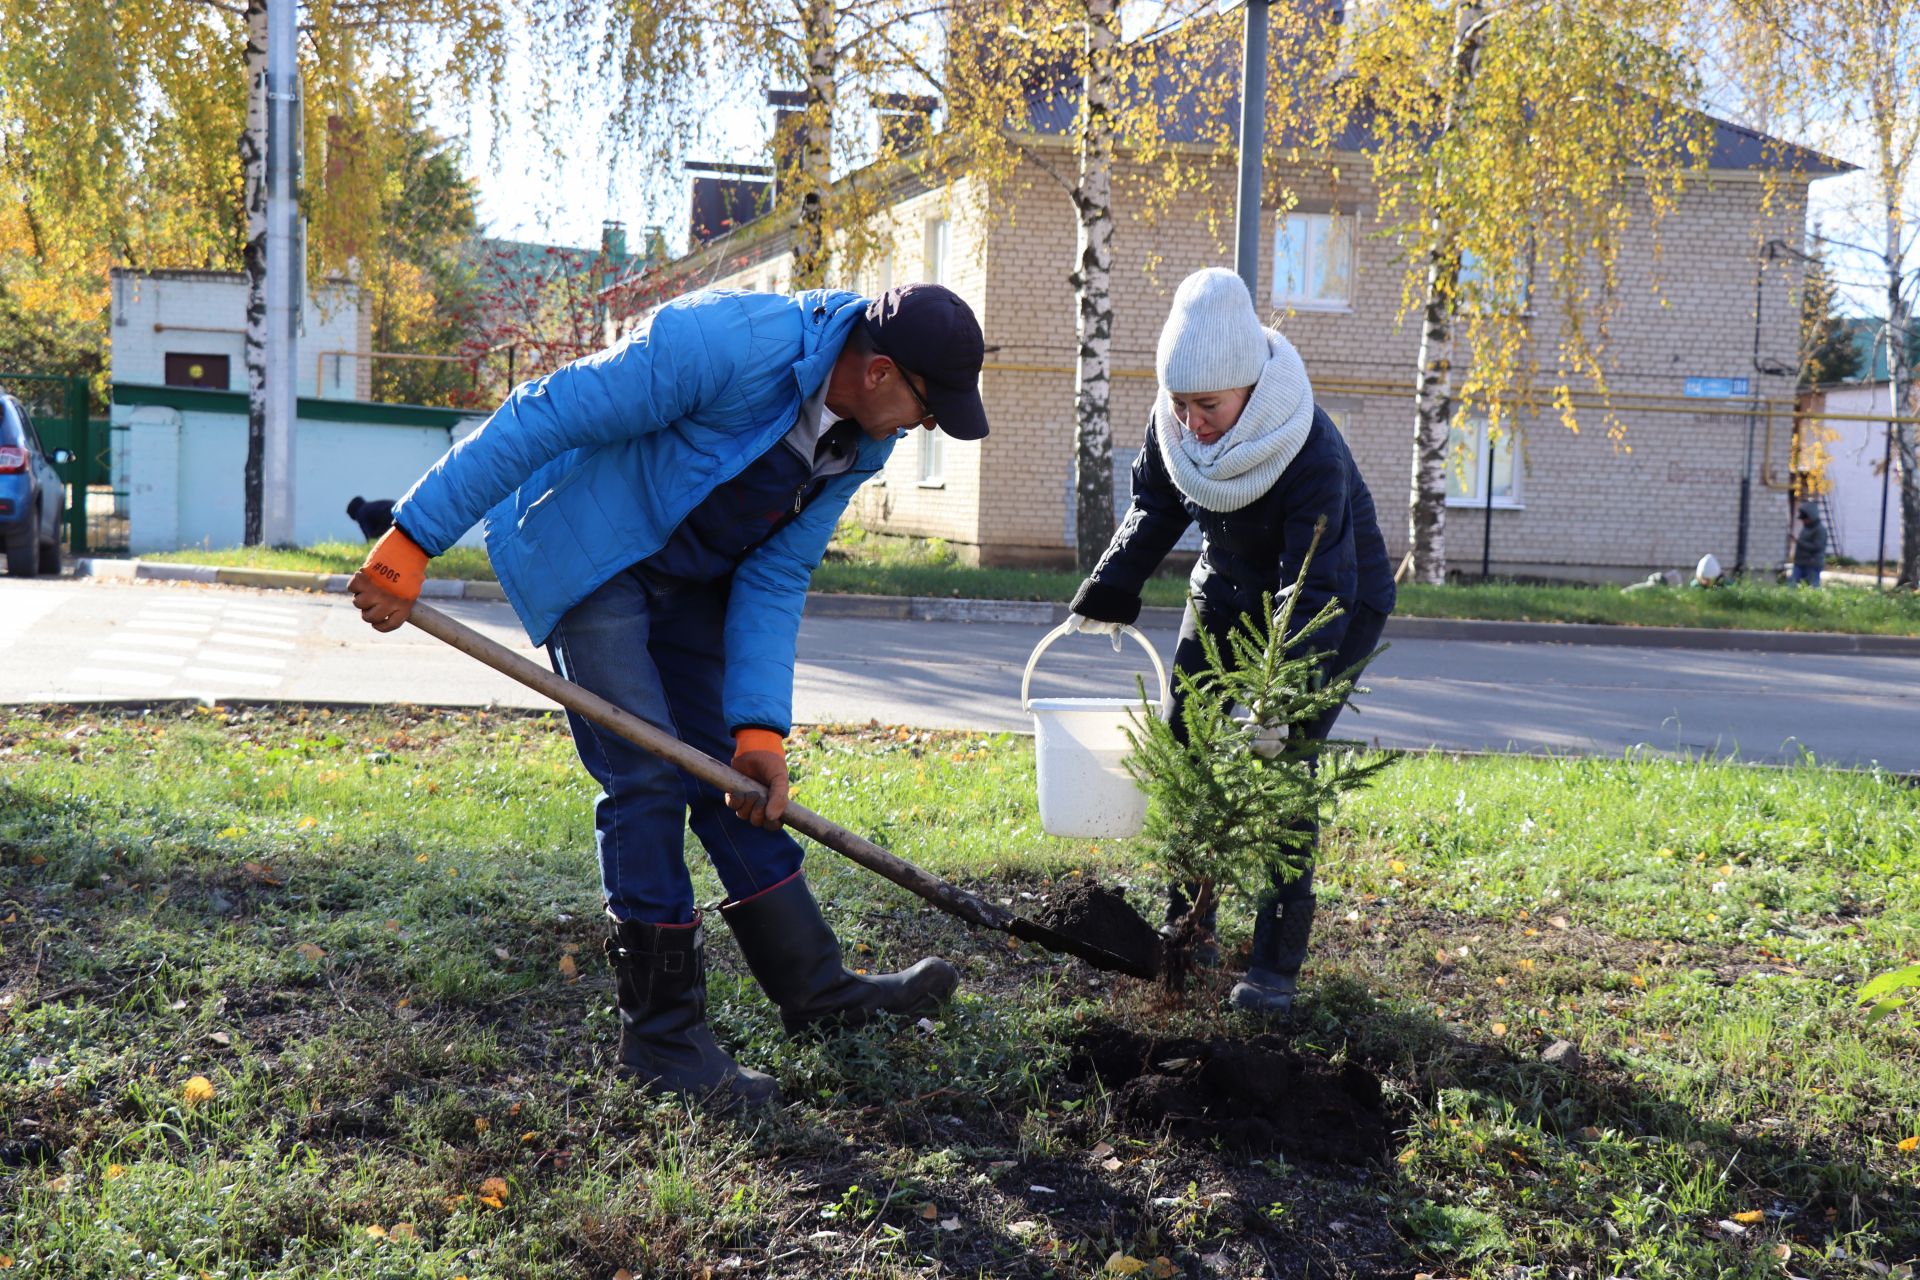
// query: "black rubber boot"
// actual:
[[1280, 935], [1206, 954], [660, 983], [793, 952]]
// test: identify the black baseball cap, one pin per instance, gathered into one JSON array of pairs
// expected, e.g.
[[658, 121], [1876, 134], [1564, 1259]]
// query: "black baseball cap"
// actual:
[[927, 329]]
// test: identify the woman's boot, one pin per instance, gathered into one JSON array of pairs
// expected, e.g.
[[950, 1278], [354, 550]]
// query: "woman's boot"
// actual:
[[660, 984], [792, 951], [1280, 935]]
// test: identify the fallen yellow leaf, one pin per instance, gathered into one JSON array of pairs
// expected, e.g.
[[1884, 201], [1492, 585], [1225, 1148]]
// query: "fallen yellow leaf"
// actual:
[[495, 1187], [929, 1211], [1499, 1028], [492, 1202], [529, 1135], [419, 857], [1396, 866], [115, 1171], [1908, 1144], [623, 1274], [310, 952], [6, 1262], [198, 1089], [1638, 981], [402, 1231], [481, 1124], [1121, 1264], [1749, 1217], [569, 969], [309, 823], [377, 1232]]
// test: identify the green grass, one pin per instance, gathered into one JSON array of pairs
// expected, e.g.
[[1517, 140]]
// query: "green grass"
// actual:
[[876, 564], [468, 563], [357, 928]]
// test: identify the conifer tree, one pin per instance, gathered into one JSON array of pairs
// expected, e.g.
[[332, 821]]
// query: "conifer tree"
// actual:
[[1234, 805]]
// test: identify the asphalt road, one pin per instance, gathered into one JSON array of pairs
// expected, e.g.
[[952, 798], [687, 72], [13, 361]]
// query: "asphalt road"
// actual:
[[64, 641]]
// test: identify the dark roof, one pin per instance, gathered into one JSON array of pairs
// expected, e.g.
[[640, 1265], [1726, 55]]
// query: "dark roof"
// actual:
[[1188, 116]]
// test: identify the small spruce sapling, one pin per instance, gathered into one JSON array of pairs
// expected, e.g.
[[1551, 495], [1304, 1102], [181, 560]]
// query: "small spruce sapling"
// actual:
[[1235, 805]]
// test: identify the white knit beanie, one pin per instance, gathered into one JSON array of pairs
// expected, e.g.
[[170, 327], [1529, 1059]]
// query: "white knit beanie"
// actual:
[[1212, 341]]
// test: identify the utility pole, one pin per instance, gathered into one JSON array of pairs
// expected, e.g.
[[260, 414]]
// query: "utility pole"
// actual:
[[1253, 141], [283, 266]]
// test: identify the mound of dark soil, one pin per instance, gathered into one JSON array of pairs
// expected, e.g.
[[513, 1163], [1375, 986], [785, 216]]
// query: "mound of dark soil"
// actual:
[[1256, 1096], [1092, 913]]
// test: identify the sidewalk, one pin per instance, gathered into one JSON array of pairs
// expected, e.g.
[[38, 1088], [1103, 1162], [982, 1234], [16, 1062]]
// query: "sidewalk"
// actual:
[[1047, 613]]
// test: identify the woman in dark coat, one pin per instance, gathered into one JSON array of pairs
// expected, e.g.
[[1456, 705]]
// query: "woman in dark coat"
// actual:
[[1236, 443]]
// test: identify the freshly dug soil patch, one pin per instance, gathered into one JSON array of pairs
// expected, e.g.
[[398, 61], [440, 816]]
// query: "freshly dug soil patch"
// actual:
[[1096, 914], [1254, 1095]]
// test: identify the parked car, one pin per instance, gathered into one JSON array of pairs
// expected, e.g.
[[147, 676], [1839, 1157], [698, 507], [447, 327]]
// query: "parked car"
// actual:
[[32, 498]]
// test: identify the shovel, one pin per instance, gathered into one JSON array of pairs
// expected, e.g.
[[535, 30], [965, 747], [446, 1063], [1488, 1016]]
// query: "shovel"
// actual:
[[949, 898]]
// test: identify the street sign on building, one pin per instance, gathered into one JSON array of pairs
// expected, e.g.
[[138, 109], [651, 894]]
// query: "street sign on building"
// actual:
[[1718, 388]]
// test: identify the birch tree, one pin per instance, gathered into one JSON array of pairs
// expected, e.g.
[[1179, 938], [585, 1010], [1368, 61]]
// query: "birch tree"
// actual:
[[1848, 73], [1511, 145], [1060, 88]]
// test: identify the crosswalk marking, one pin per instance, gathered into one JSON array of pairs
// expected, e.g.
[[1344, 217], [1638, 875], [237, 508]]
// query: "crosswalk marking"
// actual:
[[233, 677], [239, 659], [170, 624], [154, 641], [250, 642], [135, 655], [122, 676]]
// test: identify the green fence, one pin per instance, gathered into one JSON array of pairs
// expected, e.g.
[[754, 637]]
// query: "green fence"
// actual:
[[58, 405]]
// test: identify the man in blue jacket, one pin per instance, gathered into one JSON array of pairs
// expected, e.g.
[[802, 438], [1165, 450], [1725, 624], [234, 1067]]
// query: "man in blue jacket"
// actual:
[[654, 513]]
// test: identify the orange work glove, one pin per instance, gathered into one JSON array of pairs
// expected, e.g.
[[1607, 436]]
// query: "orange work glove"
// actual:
[[761, 754], [388, 584]]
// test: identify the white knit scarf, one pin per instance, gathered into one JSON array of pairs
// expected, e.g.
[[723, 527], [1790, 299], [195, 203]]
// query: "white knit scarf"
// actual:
[[1242, 464]]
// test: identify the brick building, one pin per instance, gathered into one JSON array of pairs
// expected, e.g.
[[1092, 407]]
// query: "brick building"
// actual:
[[1691, 406]]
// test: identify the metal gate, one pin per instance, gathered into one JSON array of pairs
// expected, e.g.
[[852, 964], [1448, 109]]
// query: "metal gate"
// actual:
[[96, 517]]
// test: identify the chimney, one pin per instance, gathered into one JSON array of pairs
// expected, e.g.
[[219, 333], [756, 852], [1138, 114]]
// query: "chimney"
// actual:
[[789, 129], [906, 121], [613, 242], [726, 196]]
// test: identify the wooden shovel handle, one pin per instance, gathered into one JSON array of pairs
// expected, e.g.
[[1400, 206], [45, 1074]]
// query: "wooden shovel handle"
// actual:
[[949, 898]]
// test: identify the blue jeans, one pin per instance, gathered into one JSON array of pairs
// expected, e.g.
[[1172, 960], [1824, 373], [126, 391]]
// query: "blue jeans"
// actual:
[[655, 647], [1807, 573]]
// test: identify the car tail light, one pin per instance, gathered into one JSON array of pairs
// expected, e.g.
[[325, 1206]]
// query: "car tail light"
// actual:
[[12, 459]]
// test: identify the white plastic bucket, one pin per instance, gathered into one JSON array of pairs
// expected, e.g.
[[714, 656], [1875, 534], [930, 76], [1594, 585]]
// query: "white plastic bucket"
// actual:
[[1079, 745]]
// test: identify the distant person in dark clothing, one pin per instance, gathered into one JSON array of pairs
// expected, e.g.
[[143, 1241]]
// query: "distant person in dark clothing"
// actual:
[[1809, 547], [374, 518]]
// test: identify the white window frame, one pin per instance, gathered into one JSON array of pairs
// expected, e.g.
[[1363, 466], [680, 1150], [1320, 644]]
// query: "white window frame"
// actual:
[[1470, 274], [1476, 472], [1300, 222], [937, 248], [933, 459]]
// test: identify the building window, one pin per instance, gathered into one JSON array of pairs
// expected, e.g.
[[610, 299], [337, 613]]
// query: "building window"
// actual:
[[882, 274], [936, 251], [182, 370], [933, 458], [1467, 466], [1476, 291], [1313, 261]]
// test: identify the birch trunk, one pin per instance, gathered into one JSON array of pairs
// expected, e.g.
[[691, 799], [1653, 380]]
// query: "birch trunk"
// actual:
[[1092, 280], [253, 170], [1433, 384], [810, 251]]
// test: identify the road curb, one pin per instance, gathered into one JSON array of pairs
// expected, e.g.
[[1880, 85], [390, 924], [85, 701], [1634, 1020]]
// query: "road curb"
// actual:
[[1050, 613]]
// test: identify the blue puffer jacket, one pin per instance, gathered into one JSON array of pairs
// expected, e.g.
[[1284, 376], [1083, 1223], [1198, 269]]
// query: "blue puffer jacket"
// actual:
[[589, 470]]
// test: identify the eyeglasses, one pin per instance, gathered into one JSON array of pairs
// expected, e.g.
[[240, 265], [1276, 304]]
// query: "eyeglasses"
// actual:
[[926, 410]]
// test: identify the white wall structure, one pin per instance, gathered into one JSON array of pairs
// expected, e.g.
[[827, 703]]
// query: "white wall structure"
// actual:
[[1855, 467], [188, 314], [186, 453]]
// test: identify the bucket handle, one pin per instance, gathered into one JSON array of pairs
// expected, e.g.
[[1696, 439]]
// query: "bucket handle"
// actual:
[[1159, 669]]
